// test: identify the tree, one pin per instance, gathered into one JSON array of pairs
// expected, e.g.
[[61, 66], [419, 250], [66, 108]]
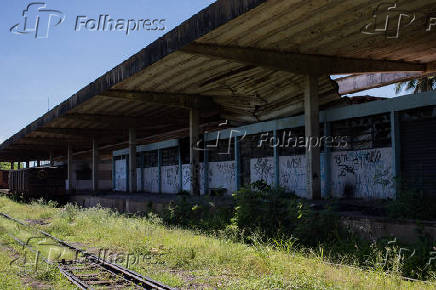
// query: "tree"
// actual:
[[5, 165], [424, 84]]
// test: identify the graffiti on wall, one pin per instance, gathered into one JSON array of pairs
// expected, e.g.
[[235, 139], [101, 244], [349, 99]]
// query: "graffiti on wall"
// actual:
[[222, 175], [186, 177], [363, 173], [293, 174], [359, 174], [262, 169], [170, 179], [120, 175], [151, 179]]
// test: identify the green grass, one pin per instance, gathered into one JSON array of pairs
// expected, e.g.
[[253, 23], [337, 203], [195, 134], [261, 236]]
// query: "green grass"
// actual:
[[189, 259], [14, 274], [9, 276]]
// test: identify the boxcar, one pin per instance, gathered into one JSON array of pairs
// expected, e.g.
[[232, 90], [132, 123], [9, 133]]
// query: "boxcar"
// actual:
[[38, 182], [4, 179]]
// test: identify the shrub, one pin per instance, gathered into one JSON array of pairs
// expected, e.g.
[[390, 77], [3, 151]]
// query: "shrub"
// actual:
[[201, 215], [277, 213], [412, 204]]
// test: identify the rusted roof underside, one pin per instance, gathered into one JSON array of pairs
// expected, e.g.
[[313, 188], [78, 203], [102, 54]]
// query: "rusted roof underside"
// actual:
[[151, 90]]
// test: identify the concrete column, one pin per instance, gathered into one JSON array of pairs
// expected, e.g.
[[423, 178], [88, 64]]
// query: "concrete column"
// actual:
[[113, 173], [396, 149], [237, 164], [70, 168], [132, 160], [206, 165], [180, 168], [194, 132], [311, 120], [327, 160], [276, 161], [141, 162], [127, 173], [159, 170], [95, 165]]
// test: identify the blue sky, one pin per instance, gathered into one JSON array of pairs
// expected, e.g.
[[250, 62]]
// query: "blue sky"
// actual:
[[34, 71]]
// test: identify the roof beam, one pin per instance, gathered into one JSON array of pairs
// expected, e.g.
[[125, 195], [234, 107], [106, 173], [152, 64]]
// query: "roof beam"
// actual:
[[301, 63], [26, 148], [42, 141], [356, 83], [121, 122], [165, 99], [100, 118], [78, 131]]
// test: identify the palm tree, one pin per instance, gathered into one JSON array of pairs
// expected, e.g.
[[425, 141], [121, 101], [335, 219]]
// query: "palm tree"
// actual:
[[424, 84]]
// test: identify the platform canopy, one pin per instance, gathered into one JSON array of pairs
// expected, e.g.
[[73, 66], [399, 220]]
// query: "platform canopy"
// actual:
[[237, 60]]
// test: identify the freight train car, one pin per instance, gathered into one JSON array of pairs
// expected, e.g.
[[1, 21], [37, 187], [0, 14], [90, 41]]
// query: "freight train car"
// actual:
[[46, 182], [4, 177]]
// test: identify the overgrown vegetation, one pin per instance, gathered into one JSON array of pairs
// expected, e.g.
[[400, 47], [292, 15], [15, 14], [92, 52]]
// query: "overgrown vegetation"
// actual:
[[203, 215], [277, 216], [251, 248], [412, 204], [190, 259], [274, 213]]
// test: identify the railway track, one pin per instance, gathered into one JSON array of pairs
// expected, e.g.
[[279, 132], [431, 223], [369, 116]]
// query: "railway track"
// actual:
[[90, 271]]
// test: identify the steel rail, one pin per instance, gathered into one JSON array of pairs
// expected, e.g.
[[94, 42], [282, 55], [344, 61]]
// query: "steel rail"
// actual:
[[126, 274]]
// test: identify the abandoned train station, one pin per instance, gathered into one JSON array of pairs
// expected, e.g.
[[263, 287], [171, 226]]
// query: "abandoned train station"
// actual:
[[246, 91]]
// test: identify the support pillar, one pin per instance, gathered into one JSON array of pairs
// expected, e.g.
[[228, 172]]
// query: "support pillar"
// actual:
[[194, 132], [276, 161], [142, 165], [237, 164], [180, 168], [12, 165], [19, 165], [127, 173], [70, 168], [396, 150], [51, 159], [327, 160], [132, 160], [27, 164], [113, 173], [311, 121], [38, 163], [206, 165], [95, 165], [159, 170]]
